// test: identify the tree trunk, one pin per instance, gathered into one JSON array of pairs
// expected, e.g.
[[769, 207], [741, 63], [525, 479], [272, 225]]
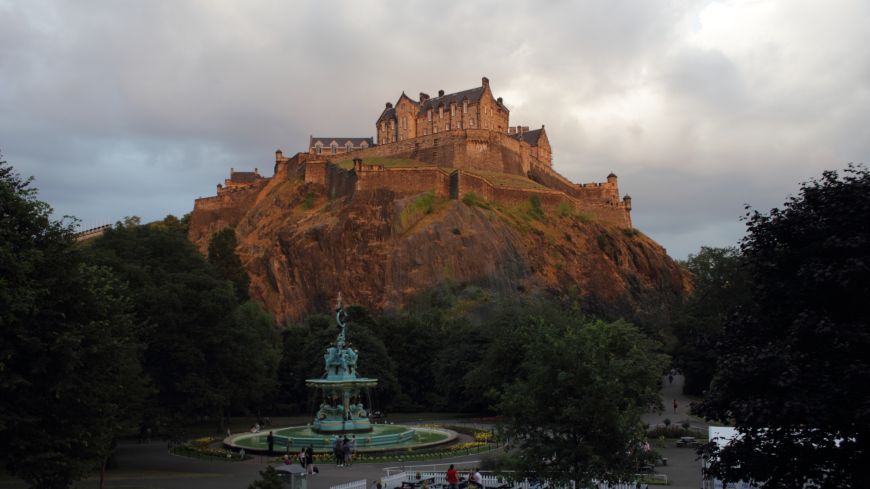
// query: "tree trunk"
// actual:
[[103, 472]]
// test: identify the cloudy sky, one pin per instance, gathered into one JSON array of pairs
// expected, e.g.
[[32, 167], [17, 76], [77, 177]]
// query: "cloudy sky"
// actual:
[[138, 107]]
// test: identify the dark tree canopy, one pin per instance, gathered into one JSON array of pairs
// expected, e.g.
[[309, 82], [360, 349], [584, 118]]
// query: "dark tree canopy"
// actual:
[[70, 377], [793, 365], [720, 287], [574, 410], [222, 255]]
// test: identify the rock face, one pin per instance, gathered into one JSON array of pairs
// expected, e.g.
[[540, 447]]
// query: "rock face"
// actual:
[[380, 250]]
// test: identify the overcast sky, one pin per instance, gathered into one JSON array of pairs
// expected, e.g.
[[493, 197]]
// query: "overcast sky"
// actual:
[[138, 107]]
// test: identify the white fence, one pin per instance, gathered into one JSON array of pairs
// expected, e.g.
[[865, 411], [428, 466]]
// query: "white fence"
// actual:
[[395, 480], [360, 484]]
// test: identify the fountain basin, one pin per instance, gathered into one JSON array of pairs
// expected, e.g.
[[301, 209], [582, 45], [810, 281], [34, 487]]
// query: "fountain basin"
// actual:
[[383, 437]]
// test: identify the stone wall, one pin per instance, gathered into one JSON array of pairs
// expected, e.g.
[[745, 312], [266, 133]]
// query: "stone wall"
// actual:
[[404, 181], [212, 214]]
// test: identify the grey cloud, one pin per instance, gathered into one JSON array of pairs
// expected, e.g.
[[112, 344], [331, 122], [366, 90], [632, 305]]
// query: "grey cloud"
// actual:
[[139, 107]]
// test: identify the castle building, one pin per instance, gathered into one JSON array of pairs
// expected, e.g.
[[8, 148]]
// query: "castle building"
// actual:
[[240, 180], [475, 108], [336, 146]]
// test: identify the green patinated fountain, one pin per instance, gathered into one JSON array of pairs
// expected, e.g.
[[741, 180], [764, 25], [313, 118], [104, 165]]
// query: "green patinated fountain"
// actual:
[[341, 391]]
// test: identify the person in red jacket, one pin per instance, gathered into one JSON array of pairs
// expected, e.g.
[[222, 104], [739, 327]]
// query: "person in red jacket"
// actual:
[[452, 477]]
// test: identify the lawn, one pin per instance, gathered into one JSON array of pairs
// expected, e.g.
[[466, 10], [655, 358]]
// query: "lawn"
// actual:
[[507, 180]]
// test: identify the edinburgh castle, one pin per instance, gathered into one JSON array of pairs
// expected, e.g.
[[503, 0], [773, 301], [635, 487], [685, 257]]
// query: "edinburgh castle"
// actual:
[[453, 145]]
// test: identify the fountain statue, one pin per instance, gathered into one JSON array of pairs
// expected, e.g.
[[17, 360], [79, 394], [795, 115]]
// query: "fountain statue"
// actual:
[[340, 392], [341, 389]]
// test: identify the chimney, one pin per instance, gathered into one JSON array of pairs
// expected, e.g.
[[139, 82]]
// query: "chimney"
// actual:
[[512, 130], [484, 81], [500, 101], [256, 171], [423, 97], [627, 201], [525, 128], [232, 170], [389, 105], [440, 93]]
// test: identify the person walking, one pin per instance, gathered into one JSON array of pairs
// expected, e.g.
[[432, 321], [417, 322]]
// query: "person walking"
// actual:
[[675, 406], [270, 440], [351, 452], [452, 477], [338, 451], [309, 457], [303, 458], [345, 452]]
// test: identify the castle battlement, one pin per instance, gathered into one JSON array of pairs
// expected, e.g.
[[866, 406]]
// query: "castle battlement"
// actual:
[[457, 139]]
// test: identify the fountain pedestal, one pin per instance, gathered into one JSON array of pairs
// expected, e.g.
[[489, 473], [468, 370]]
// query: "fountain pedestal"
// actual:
[[340, 389]]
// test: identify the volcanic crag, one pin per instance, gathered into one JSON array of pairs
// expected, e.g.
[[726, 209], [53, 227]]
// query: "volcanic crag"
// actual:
[[447, 192]]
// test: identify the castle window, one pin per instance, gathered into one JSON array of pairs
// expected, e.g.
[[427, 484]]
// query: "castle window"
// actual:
[[429, 114], [348, 147], [440, 112], [452, 110], [465, 106], [425, 131], [447, 126], [318, 148], [471, 123], [363, 144], [460, 124], [435, 130]]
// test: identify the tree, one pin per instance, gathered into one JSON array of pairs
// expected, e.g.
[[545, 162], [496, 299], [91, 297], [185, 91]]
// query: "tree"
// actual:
[[720, 287], [70, 377], [793, 367], [222, 255], [203, 353], [574, 412], [269, 479]]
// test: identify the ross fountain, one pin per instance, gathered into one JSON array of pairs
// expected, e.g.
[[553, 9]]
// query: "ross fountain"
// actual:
[[341, 412]]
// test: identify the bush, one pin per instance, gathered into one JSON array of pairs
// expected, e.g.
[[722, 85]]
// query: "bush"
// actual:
[[474, 200], [631, 232], [670, 431], [535, 210], [564, 210]]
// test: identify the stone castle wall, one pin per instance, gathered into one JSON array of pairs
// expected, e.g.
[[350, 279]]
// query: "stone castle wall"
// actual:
[[212, 214], [459, 150]]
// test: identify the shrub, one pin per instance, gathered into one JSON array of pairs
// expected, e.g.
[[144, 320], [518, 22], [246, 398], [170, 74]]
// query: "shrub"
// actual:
[[631, 232], [584, 216], [309, 201], [564, 210], [535, 211], [419, 206], [473, 200]]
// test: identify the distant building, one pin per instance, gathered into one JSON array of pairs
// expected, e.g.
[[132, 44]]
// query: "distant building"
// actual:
[[336, 146]]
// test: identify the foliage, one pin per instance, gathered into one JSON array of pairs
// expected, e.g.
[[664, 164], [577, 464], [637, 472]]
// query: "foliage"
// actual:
[[222, 256], [631, 232], [205, 354], [721, 285], [574, 410], [309, 200], [535, 210], [419, 207], [70, 379], [670, 431], [564, 210], [269, 479], [472, 199], [793, 367]]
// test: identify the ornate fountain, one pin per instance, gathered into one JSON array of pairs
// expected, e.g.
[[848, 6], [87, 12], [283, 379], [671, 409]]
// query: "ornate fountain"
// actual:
[[341, 389]]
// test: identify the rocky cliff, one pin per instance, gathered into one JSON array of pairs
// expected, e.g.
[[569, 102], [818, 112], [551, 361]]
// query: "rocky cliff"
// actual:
[[381, 250]]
